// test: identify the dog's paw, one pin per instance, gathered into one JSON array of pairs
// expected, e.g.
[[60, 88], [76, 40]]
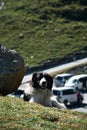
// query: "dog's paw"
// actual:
[[57, 104], [62, 106]]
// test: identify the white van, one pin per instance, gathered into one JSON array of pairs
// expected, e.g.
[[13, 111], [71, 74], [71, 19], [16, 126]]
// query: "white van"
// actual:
[[77, 81], [65, 94]]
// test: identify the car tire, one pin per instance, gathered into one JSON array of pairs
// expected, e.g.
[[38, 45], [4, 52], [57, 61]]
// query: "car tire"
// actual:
[[65, 102]]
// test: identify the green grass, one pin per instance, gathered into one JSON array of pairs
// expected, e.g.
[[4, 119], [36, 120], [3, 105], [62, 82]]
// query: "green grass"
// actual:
[[43, 30], [15, 114]]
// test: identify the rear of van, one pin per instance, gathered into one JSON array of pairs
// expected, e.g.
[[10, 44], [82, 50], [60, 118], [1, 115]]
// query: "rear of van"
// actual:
[[65, 94]]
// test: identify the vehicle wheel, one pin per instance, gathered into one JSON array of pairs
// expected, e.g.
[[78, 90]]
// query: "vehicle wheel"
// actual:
[[65, 102]]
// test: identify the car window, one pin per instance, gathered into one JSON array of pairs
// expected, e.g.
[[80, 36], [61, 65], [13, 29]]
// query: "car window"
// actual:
[[83, 79], [56, 92], [68, 92], [74, 81], [59, 78], [67, 77]]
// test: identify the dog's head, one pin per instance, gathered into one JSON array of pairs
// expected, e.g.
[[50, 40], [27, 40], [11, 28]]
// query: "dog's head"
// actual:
[[42, 81]]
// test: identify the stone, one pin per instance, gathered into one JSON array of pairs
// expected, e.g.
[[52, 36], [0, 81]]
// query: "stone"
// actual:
[[11, 70]]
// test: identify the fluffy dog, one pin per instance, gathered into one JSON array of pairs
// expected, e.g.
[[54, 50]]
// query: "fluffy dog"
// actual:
[[40, 91]]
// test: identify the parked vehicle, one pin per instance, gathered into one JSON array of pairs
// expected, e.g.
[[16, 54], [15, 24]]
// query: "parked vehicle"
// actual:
[[60, 79], [66, 94], [77, 81]]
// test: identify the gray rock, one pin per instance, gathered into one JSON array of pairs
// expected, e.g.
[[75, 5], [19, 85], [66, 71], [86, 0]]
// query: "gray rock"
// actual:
[[11, 70]]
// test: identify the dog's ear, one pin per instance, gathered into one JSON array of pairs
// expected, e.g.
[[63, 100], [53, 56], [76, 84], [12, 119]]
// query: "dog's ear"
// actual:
[[34, 76], [35, 79], [49, 79]]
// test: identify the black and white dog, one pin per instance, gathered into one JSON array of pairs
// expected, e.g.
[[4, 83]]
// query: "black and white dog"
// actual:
[[40, 91]]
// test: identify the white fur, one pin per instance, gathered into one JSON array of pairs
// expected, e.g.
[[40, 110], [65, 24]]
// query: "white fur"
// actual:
[[57, 104], [42, 80], [43, 97]]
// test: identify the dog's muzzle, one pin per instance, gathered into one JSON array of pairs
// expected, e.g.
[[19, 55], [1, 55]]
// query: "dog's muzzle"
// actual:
[[43, 83]]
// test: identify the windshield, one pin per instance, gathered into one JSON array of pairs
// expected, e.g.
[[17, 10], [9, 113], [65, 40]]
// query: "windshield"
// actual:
[[56, 92], [63, 77]]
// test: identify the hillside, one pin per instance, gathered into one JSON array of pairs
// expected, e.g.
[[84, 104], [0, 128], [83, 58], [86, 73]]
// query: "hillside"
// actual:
[[43, 30], [16, 114]]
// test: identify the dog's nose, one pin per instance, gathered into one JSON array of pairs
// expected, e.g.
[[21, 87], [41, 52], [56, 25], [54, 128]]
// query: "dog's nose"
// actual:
[[43, 82]]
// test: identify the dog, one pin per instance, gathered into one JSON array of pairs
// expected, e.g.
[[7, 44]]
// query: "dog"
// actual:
[[40, 91]]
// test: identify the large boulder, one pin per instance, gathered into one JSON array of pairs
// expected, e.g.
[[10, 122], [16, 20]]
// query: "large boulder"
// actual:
[[11, 70]]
